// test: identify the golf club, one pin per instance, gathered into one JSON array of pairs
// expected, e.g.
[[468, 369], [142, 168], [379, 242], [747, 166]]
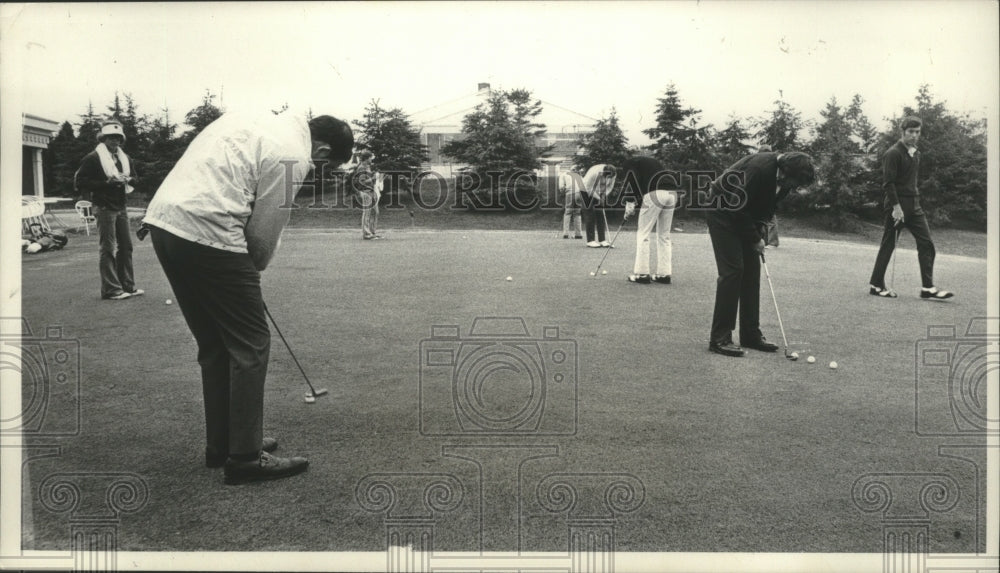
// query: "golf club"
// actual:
[[313, 393], [780, 325], [895, 244], [597, 272]]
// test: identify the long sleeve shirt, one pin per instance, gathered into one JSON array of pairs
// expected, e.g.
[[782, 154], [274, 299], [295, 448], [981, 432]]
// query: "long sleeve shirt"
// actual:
[[97, 186], [643, 175], [234, 186], [748, 193], [899, 173]]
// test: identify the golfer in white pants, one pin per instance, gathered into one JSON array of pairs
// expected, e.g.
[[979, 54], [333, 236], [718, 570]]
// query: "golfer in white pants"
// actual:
[[655, 218]]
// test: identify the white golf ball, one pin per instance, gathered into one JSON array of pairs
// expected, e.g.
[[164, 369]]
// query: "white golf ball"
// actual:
[[604, 272], [168, 301], [795, 355], [833, 365], [510, 278], [592, 273], [811, 359]]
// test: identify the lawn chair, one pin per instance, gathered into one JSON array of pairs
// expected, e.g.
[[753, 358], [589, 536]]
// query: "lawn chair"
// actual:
[[85, 210], [32, 216]]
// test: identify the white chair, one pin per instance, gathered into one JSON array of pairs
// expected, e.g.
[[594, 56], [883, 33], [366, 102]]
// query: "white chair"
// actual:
[[85, 210], [32, 216]]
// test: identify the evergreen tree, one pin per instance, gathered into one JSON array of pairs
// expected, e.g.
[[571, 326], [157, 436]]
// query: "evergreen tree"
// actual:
[[497, 139], [607, 144], [680, 142], [63, 151], [834, 152], [730, 144], [199, 117], [393, 140], [782, 128]]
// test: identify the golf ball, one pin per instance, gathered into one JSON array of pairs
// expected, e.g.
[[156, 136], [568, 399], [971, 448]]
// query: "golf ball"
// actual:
[[168, 301], [604, 272], [592, 273], [795, 355], [833, 365], [811, 359], [510, 278]]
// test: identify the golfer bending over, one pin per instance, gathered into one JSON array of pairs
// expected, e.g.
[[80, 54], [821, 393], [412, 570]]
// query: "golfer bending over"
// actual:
[[597, 185], [744, 199], [655, 217], [216, 221]]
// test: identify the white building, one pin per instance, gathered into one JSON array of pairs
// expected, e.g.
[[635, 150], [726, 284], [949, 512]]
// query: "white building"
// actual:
[[443, 123], [36, 133]]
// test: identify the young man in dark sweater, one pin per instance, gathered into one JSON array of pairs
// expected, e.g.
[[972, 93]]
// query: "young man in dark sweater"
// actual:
[[901, 206], [744, 200]]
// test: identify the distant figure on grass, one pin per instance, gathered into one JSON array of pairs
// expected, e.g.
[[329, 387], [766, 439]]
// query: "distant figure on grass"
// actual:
[[569, 186], [744, 199], [368, 185], [901, 207], [648, 180], [105, 177], [597, 184], [215, 223]]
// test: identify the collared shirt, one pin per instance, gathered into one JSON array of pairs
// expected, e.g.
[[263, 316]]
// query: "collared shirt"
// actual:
[[234, 186]]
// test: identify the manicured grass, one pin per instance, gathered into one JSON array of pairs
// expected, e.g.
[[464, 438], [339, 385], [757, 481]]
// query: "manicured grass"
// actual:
[[753, 454]]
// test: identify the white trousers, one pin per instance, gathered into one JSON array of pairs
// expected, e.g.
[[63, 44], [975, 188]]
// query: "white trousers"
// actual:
[[655, 218]]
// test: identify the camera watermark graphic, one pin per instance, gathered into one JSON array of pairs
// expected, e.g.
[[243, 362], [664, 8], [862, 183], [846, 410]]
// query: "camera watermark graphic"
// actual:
[[921, 512], [49, 370], [492, 399], [951, 380], [497, 380]]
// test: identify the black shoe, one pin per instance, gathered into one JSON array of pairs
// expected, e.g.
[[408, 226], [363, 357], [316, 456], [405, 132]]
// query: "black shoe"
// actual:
[[881, 291], [759, 344], [267, 467], [216, 459], [641, 279], [662, 279], [726, 349], [565, 236]]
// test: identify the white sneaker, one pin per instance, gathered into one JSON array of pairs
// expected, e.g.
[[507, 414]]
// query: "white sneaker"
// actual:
[[593, 244], [137, 292], [605, 244]]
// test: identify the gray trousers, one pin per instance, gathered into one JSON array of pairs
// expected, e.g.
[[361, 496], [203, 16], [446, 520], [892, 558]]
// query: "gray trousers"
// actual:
[[115, 241]]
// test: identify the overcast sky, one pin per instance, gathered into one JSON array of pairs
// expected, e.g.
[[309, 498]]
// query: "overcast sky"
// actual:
[[724, 57]]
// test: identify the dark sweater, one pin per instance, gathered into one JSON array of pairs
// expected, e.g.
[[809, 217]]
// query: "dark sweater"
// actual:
[[899, 174], [746, 194], [93, 183], [639, 177]]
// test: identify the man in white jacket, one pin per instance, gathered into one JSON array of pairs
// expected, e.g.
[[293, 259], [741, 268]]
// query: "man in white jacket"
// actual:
[[215, 223]]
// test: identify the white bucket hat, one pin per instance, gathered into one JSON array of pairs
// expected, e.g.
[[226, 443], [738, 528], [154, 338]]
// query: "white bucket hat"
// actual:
[[111, 129]]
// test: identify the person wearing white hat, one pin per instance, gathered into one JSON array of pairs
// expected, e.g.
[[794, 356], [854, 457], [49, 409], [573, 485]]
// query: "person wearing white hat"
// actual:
[[105, 176]]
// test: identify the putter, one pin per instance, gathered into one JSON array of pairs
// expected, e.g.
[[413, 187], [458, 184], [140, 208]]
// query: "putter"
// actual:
[[597, 272], [780, 325], [313, 393], [895, 244]]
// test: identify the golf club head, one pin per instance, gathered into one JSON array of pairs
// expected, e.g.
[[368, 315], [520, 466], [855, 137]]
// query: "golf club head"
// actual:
[[310, 399], [320, 392], [791, 357]]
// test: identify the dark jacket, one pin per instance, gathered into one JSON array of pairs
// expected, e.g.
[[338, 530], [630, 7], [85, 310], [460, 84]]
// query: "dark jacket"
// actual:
[[641, 175], [746, 194], [899, 174], [94, 184]]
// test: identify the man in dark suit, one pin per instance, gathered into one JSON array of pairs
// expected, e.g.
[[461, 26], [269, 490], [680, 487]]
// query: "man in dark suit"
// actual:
[[744, 198]]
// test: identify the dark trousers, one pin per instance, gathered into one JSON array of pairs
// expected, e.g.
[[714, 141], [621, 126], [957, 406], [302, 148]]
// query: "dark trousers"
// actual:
[[593, 219], [115, 244], [738, 287], [219, 294], [916, 222]]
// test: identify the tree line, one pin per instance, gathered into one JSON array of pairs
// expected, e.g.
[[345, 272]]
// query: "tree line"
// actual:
[[503, 135]]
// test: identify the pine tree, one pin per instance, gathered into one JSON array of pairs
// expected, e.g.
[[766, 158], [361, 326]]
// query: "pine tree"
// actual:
[[834, 152], [782, 128], [730, 143], [200, 117], [393, 140], [62, 157], [607, 144], [680, 142]]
